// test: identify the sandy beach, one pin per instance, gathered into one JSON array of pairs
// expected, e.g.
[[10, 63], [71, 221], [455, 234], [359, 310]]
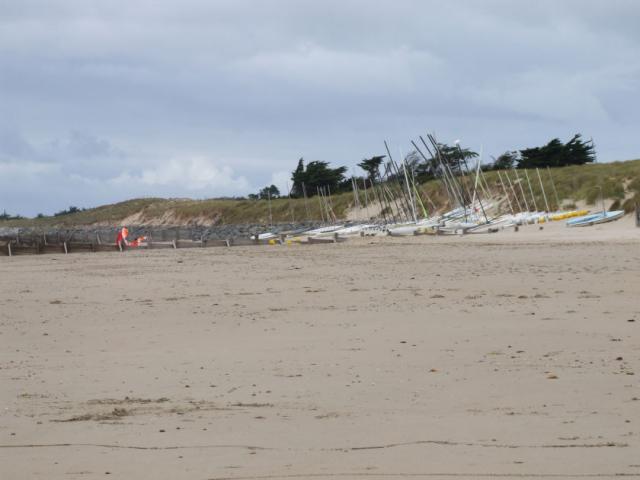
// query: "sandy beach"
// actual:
[[511, 355]]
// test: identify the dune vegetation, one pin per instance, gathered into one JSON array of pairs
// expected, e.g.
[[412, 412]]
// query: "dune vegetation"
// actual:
[[619, 183]]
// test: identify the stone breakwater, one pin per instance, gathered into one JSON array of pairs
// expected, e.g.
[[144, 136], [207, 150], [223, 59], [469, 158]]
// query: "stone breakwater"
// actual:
[[159, 234]]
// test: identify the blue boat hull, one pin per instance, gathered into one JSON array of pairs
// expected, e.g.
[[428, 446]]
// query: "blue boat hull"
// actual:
[[595, 218]]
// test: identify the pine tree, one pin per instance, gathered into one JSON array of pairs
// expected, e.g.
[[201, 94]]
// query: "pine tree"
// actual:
[[316, 174], [558, 154], [372, 166], [297, 178]]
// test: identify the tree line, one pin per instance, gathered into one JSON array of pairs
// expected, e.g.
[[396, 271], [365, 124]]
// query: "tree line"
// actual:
[[6, 216], [308, 179], [554, 154]]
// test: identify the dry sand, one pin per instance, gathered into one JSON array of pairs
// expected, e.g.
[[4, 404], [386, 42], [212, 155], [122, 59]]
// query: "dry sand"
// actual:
[[513, 355]]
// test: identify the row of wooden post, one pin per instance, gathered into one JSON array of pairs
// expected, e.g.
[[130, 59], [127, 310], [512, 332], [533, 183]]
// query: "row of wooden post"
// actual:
[[66, 247]]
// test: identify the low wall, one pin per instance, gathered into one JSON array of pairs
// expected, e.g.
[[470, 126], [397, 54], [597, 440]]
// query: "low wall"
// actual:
[[158, 234]]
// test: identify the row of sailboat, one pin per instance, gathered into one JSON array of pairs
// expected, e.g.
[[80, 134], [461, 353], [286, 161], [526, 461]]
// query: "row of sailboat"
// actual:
[[477, 207]]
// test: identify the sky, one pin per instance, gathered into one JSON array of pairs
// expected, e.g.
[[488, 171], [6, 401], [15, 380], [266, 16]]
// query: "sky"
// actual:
[[103, 101]]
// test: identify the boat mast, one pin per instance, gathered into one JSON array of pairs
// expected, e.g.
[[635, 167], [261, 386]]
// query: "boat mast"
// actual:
[[553, 185], [320, 204], [416, 194], [306, 204], [531, 191], [406, 179], [504, 189], [333, 213], [543, 192], [464, 176], [396, 172], [443, 177], [485, 191], [447, 170], [354, 189], [475, 189], [291, 209], [269, 204], [366, 198], [519, 182], [390, 195], [515, 196]]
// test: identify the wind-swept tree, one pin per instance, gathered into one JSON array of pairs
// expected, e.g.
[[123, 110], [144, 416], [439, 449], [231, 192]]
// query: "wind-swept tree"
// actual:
[[297, 179], [269, 192], [455, 157], [5, 216], [414, 162], [504, 162], [372, 166], [558, 154], [314, 175], [68, 211]]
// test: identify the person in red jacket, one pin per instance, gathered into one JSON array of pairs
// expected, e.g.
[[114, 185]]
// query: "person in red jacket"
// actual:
[[121, 239]]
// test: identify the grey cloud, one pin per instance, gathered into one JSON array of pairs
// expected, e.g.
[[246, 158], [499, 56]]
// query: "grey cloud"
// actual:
[[129, 87], [14, 145]]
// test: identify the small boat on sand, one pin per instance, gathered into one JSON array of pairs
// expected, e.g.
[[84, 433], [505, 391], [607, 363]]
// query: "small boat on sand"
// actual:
[[595, 218], [323, 231], [264, 236]]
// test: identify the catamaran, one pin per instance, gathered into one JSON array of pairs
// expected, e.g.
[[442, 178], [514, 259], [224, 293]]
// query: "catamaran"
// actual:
[[595, 218]]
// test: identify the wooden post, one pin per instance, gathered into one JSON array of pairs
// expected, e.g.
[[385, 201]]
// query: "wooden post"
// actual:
[[174, 245], [64, 244], [9, 248]]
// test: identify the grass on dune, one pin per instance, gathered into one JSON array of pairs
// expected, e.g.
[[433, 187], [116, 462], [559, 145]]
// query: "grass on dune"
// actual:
[[618, 180], [579, 183]]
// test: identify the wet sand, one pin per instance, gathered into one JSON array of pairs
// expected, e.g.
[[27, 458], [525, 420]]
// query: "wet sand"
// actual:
[[514, 355]]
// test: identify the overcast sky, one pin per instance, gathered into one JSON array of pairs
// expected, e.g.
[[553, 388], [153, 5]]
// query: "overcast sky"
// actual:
[[102, 101]]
